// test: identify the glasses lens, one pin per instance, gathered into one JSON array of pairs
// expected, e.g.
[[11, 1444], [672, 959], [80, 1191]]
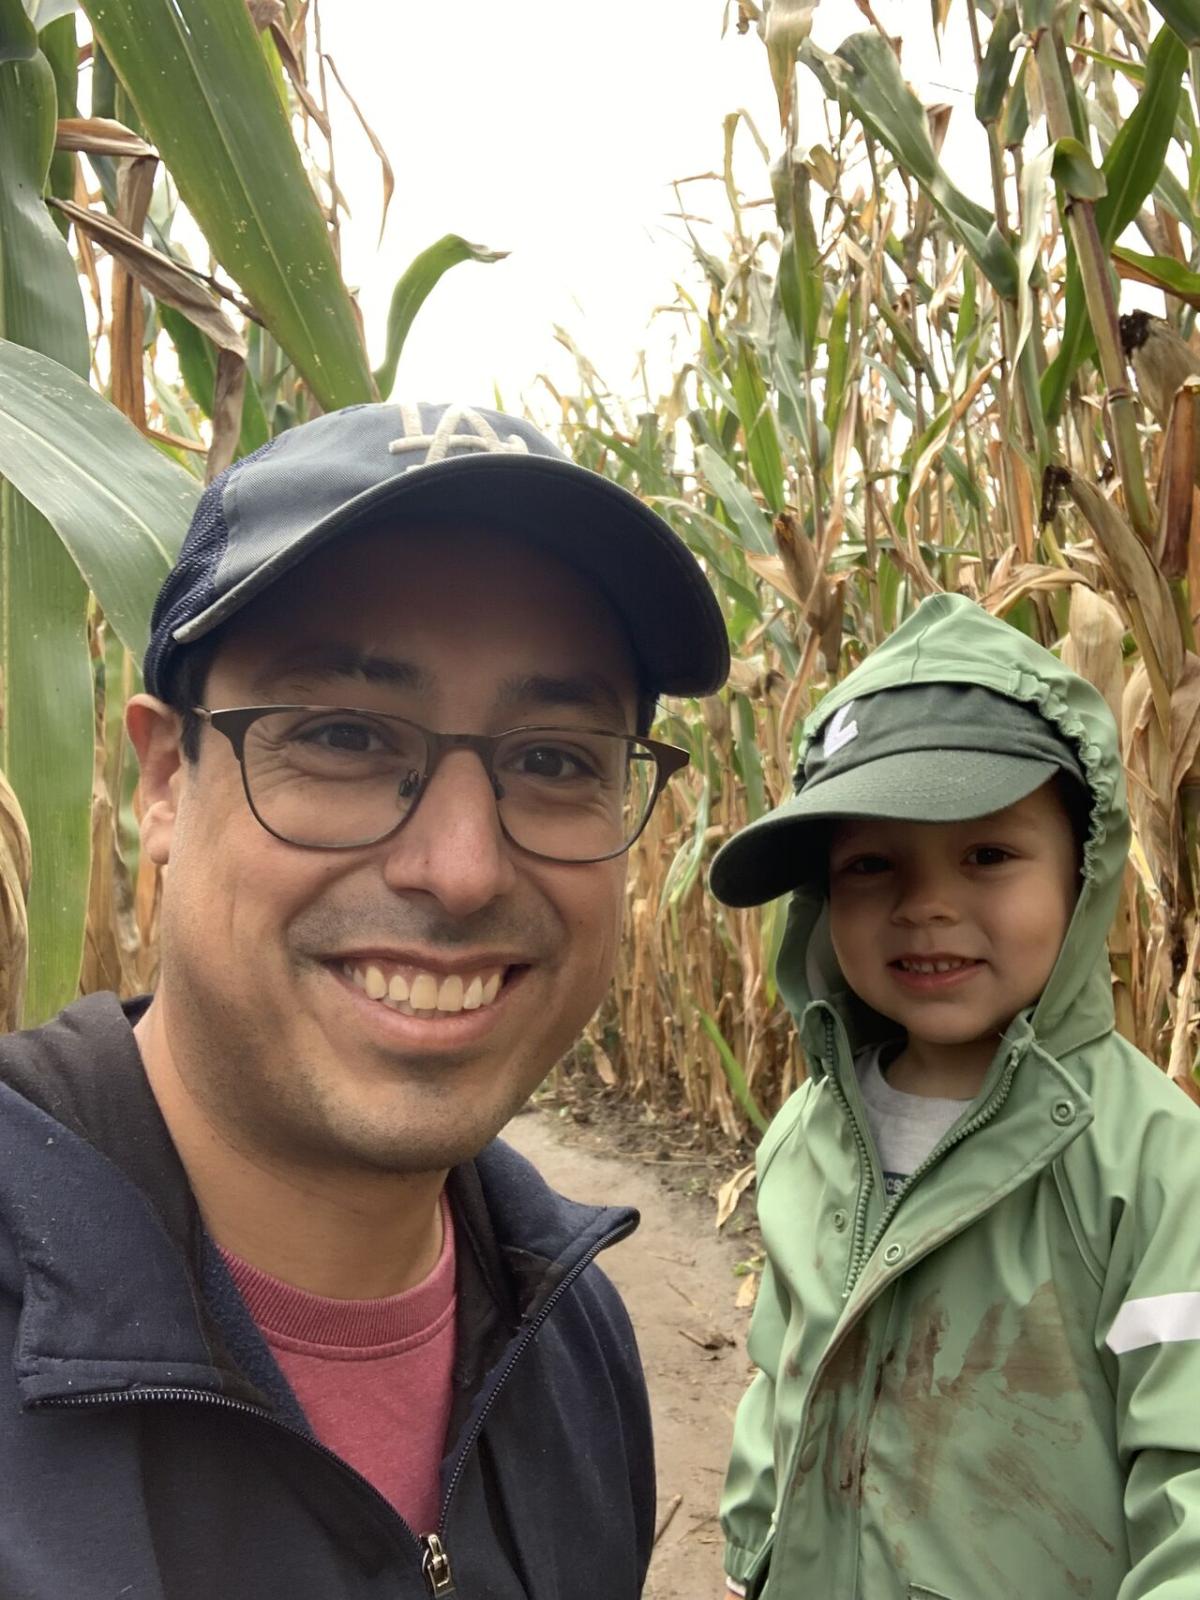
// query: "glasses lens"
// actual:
[[330, 777], [572, 794]]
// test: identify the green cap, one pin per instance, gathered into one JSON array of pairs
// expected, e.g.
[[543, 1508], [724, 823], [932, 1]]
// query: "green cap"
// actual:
[[931, 752]]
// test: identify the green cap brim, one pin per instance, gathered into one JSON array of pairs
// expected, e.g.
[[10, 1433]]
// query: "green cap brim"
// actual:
[[771, 856]]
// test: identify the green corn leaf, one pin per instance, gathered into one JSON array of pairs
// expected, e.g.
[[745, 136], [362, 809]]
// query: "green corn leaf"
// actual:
[[799, 280], [1131, 170], [118, 504], [413, 289], [1182, 17], [46, 734], [746, 516], [965, 323], [198, 367], [746, 736], [997, 65], [865, 76], [734, 1075], [60, 48], [1075, 172], [838, 359], [1035, 179], [198, 76], [1164, 272], [1014, 124], [758, 423]]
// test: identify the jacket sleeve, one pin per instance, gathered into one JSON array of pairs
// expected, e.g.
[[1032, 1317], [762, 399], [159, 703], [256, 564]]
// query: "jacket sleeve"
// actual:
[[1150, 1333], [748, 1503]]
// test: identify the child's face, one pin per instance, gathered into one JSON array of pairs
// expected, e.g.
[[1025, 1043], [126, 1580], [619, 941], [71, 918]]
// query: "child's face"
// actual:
[[952, 928]]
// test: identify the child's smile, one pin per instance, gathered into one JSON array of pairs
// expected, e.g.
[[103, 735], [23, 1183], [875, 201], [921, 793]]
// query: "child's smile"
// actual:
[[950, 929]]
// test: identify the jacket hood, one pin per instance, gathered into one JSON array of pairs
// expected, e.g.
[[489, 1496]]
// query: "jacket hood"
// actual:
[[949, 639]]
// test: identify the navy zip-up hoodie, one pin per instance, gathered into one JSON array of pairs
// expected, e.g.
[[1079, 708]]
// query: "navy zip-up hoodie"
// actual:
[[150, 1449]]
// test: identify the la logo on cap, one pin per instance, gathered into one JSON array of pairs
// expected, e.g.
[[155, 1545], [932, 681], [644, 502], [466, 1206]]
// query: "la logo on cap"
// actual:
[[839, 731]]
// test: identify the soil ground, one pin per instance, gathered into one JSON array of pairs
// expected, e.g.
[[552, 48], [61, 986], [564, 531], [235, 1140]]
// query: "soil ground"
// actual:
[[677, 1275]]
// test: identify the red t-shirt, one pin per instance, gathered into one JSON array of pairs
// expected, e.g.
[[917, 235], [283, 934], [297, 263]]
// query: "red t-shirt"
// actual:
[[373, 1376]]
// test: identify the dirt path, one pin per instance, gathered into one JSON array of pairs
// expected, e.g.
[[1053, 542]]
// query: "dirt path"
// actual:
[[676, 1274]]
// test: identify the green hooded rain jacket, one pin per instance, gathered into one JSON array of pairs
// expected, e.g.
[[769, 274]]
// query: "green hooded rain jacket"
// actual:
[[989, 1387]]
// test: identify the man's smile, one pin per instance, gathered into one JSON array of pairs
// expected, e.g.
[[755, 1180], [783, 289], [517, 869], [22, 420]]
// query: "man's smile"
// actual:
[[414, 989]]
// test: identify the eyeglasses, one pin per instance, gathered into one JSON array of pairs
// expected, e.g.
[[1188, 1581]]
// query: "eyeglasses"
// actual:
[[336, 778]]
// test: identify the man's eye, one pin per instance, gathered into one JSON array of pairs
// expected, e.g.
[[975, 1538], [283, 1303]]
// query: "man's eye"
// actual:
[[551, 762], [354, 738]]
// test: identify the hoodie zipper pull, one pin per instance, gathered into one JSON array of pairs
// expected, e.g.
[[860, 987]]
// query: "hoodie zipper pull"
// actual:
[[435, 1566]]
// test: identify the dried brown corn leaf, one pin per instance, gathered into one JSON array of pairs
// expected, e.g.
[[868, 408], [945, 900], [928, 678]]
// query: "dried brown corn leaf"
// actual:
[[1017, 583], [1137, 586], [16, 866], [1177, 483], [1093, 645], [1183, 1033]]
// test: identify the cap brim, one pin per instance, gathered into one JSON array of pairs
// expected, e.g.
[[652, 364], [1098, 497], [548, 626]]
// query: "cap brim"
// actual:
[[645, 571], [771, 856]]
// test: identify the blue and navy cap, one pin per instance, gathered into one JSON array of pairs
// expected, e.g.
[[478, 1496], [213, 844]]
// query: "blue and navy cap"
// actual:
[[408, 465]]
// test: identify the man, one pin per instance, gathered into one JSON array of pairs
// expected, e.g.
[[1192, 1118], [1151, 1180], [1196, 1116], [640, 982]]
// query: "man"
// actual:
[[285, 1320]]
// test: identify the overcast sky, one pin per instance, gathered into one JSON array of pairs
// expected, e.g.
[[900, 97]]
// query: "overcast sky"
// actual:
[[554, 129]]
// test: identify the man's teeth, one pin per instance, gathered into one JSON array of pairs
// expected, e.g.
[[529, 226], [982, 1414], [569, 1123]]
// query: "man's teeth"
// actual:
[[425, 993], [934, 966]]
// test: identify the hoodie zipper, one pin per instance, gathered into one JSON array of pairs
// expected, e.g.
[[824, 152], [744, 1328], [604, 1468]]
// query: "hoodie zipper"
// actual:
[[436, 1569]]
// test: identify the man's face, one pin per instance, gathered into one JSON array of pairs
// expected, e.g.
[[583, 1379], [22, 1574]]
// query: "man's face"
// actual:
[[280, 963], [951, 929]]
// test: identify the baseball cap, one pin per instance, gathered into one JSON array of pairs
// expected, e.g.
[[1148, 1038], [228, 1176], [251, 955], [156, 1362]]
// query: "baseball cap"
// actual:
[[933, 752], [438, 464]]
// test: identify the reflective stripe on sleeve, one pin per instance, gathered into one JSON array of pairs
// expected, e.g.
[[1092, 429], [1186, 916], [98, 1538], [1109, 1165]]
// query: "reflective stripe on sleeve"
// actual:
[[1158, 1319]]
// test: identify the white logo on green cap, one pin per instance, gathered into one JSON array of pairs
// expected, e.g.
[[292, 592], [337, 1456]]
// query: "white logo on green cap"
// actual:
[[838, 731]]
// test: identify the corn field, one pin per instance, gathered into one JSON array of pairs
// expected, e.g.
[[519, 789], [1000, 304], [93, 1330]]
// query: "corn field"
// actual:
[[899, 388], [893, 386]]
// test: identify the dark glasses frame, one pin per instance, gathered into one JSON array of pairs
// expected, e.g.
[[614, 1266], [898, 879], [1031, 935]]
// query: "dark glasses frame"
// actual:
[[235, 722]]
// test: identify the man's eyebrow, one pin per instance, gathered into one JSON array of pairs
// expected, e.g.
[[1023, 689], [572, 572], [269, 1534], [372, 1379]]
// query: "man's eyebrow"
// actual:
[[584, 691], [332, 660]]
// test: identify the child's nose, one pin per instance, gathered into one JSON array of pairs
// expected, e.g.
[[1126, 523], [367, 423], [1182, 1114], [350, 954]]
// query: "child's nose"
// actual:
[[924, 898]]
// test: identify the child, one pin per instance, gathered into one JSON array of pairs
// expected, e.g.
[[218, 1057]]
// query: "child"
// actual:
[[978, 1330]]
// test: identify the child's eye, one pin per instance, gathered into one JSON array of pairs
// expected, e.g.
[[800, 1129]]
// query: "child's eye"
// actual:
[[989, 855], [864, 866]]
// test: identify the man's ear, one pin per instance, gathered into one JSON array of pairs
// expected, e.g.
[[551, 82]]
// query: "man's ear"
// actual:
[[155, 732]]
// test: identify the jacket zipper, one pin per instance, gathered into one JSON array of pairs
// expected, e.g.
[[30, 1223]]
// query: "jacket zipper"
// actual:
[[858, 1235], [526, 1340], [972, 1125], [436, 1567]]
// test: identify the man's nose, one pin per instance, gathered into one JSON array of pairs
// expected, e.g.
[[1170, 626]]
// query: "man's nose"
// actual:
[[452, 846]]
